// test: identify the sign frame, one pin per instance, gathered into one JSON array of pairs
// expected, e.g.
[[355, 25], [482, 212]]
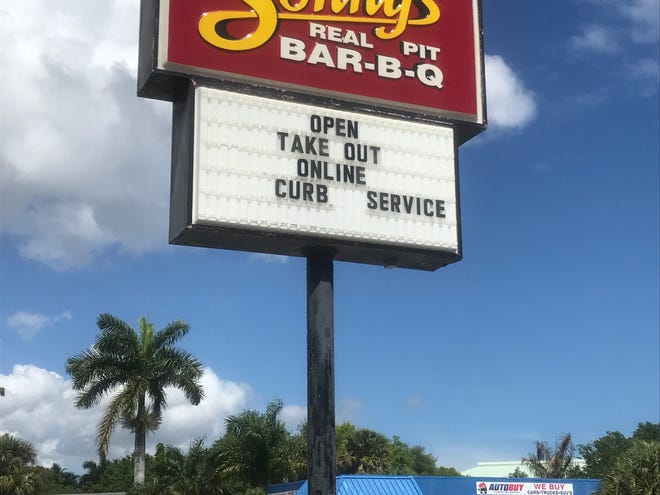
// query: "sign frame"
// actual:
[[184, 232]]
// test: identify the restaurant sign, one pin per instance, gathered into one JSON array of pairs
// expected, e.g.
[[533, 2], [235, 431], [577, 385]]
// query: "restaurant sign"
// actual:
[[420, 57], [307, 123]]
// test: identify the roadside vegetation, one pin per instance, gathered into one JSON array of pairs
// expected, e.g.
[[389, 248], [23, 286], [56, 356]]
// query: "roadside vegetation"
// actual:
[[255, 451], [626, 465], [134, 367], [258, 450]]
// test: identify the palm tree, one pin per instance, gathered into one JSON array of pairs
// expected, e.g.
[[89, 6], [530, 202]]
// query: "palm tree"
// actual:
[[93, 473], [192, 473], [258, 450], [361, 451], [134, 366], [636, 471], [15, 456], [546, 463]]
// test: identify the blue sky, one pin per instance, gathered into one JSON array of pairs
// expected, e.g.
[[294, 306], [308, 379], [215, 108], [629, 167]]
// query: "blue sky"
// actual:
[[548, 325]]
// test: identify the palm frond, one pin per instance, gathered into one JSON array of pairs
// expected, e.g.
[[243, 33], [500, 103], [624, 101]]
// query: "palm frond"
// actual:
[[191, 389], [111, 355], [119, 343], [108, 423], [92, 395], [108, 322], [169, 361], [81, 367], [146, 329], [96, 374], [158, 398], [173, 332], [547, 463], [177, 368]]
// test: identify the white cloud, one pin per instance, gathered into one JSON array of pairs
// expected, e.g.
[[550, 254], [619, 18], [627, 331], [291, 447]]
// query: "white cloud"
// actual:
[[637, 21], [627, 33], [510, 103], [84, 163], [644, 16], [183, 422], [28, 325], [39, 407], [293, 416], [596, 38], [646, 69]]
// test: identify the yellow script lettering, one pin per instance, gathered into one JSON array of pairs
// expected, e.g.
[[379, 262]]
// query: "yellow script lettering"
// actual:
[[213, 25], [264, 11]]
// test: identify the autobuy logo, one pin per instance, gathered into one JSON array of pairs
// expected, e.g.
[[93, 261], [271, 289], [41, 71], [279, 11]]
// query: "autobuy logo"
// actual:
[[487, 488], [493, 488]]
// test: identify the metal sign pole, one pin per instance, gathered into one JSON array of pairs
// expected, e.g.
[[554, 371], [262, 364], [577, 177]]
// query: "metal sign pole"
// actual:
[[321, 373]]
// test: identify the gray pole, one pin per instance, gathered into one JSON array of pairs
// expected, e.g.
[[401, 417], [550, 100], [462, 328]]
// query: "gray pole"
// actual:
[[321, 452]]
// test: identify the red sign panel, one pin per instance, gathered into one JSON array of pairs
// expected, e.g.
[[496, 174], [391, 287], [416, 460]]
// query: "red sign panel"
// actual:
[[416, 55]]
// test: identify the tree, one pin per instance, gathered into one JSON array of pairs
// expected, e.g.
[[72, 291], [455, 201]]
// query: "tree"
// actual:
[[258, 450], [647, 431], [400, 461], [16, 456], [179, 473], [518, 473], [55, 480], [112, 476], [601, 455], [547, 463], [361, 451], [404, 459], [635, 472], [93, 474], [136, 366], [291, 456]]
